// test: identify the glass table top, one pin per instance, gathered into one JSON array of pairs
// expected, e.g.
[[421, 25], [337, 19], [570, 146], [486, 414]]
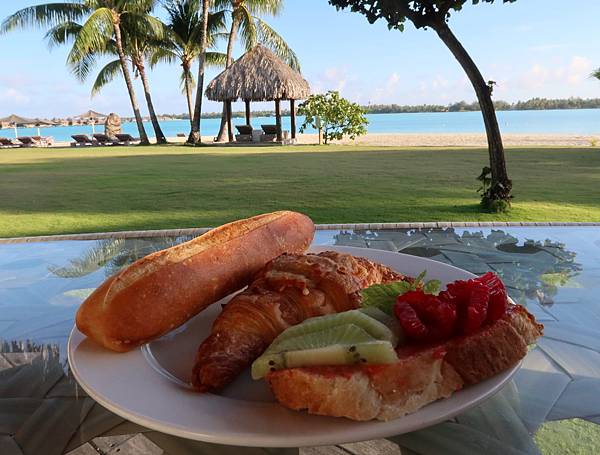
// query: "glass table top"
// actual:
[[551, 406]]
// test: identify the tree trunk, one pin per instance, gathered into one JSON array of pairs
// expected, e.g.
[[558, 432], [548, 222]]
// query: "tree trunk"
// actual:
[[501, 185], [134, 104], [195, 134], [160, 137], [229, 124], [278, 119], [189, 92], [235, 24], [293, 118], [247, 102]]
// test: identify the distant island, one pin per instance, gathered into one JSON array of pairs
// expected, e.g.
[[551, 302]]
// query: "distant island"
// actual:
[[534, 104]]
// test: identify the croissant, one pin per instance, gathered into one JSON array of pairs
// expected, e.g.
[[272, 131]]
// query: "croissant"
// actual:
[[290, 289]]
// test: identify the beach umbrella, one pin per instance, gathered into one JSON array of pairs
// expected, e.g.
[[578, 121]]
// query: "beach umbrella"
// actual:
[[41, 122], [92, 117], [15, 121]]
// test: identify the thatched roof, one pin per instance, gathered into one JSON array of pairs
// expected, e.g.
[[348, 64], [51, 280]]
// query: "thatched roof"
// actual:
[[91, 114], [259, 75], [18, 120]]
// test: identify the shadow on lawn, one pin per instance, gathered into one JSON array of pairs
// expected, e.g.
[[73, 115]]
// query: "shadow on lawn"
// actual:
[[341, 186]]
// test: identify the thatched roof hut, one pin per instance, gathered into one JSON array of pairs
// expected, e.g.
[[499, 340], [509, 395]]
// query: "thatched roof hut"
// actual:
[[259, 75]]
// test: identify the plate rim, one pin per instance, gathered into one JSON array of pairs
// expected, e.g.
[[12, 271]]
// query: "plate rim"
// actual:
[[380, 430]]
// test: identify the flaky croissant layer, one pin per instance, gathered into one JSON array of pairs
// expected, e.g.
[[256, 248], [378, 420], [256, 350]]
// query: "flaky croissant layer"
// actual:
[[287, 291]]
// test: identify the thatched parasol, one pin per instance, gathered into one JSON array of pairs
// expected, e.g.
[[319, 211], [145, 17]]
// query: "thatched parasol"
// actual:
[[259, 75], [92, 117], [14, 121]]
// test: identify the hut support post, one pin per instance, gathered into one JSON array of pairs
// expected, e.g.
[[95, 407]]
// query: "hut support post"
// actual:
[[229, 125], [278, 119], [293, 118], [247, 112]]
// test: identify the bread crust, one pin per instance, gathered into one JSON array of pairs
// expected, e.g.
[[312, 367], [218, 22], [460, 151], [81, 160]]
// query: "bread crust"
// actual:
[[165, 289], [422, 374]]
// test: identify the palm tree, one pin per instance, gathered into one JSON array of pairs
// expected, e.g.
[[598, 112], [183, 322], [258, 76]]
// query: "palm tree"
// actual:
[[104, 18], [195, 136], [137, 42], [182, 41], [253, 30]]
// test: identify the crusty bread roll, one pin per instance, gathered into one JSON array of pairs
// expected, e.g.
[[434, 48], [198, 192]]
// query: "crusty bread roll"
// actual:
[[421, 376], [163, 290]]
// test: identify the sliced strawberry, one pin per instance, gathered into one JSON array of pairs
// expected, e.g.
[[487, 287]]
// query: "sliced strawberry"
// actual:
[[498, 296], [437, 315], [410, 322], [477, 310]]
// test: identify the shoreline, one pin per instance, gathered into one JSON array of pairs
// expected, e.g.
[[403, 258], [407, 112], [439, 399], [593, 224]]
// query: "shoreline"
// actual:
[[437, 140]]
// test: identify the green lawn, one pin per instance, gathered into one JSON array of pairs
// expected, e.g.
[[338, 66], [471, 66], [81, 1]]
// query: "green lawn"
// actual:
[[86, 190]]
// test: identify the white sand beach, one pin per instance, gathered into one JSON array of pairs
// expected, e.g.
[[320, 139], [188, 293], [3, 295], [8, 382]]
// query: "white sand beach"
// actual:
[[463, 140], [440, 140]]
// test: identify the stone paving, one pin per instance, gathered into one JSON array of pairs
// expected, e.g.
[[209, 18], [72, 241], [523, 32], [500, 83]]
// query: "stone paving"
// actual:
[[555, 272]]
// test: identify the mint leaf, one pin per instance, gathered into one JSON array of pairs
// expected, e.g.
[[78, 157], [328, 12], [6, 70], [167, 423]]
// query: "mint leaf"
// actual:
[[383, 296], [432, 287]]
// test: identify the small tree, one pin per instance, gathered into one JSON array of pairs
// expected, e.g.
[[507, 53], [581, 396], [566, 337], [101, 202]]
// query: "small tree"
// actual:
[[333, 115], [435, 14]]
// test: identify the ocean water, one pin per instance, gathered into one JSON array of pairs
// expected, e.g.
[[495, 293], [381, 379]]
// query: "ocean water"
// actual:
[[575, 121]]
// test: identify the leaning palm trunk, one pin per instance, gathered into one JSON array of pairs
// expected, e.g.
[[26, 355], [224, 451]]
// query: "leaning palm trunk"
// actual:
[[134, 104], [160, 137], [222, 136], [195, 135], [501, 185], [189, 92]]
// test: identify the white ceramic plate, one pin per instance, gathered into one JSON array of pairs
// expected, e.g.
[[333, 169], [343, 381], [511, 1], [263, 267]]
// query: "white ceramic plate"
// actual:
[[148, 386]]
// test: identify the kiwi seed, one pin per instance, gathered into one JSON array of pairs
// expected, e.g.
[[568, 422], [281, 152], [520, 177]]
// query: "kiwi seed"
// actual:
[[271, 362]]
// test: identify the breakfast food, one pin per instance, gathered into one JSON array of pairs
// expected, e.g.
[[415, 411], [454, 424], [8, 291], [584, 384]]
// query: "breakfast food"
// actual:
[[463, 336], [289, 290], [163, 290]]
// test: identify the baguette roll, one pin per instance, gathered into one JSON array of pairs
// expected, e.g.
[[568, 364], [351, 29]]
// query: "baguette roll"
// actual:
[[165, 289]]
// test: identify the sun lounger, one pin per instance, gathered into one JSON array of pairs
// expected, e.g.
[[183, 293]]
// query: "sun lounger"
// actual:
[[8, 143], [43, 141], [103, 139], [81, 140], [126, 139], [245, 133], [27, 141], [269, 133]]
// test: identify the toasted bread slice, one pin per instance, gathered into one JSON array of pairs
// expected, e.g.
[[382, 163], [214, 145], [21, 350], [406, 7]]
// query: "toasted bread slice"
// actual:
[[422, 374]]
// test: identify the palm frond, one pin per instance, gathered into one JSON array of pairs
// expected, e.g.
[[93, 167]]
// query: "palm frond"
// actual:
[[62, 33], [248, 32], [162, 55], [192, 80], [261, 7], [93, 39], [216, 59], [106, 75], [596, 74], [274, 41], [92, 260], [45, 16]]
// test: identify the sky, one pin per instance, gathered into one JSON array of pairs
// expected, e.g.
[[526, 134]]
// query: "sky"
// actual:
[[531, 48]]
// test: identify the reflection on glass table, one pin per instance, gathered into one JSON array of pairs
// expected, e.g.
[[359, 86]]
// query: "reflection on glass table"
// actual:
[[551, 406]]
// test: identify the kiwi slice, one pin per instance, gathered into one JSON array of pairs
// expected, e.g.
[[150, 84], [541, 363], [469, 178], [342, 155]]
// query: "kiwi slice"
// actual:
[[349, 354], [390, 321], [373, 352], [372, 326], [341, 334], [273, 358]]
